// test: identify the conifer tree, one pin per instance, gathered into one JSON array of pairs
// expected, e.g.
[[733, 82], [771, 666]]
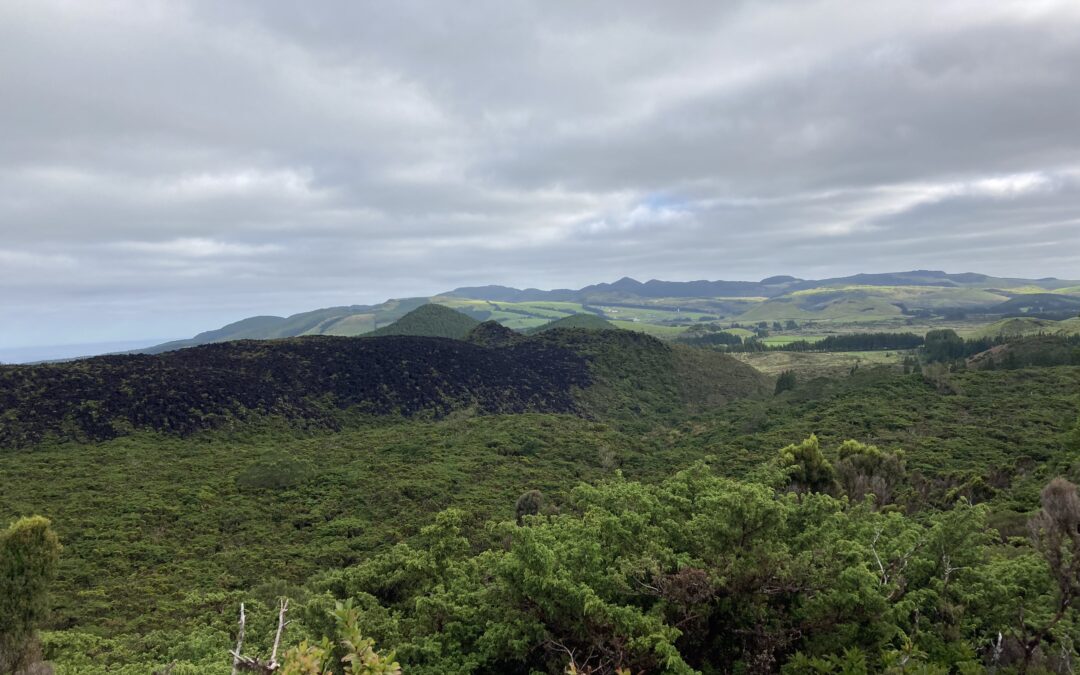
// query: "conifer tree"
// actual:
[[29, 553]]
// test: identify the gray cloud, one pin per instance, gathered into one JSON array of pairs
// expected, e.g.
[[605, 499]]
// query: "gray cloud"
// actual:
[[169, 166]]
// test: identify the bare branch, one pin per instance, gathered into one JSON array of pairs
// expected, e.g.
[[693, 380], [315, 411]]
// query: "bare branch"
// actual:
[[252, 664], [877, 558], [239, 643], [280, 629]]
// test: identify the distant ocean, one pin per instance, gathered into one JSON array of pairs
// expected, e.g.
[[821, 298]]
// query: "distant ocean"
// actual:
[[37, 353]]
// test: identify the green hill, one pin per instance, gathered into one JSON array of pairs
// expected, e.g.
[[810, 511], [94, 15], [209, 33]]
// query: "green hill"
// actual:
[[344, 321], [1039, 303], [430, 321], [636, 375], [586, 321], [665, 308], [1030, 351], [1015, 327], [1023, 325], [1070, 326]]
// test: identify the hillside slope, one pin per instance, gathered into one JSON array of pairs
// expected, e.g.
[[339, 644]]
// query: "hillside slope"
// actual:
[[635, 375], [586, 321], [1040, 303], [344, 321], [431, 321], [308, 380], [312, 381], [1020, 326]]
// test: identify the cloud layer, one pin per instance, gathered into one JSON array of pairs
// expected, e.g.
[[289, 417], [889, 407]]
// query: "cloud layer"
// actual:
[[169, 166]]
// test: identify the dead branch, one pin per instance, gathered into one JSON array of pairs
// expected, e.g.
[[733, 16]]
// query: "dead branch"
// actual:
[[281, 623], [239, 642], [253, 664]]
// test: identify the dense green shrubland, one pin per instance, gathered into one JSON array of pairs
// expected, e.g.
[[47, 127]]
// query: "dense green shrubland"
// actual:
[[619, 554], [695, 574], [704, 574]]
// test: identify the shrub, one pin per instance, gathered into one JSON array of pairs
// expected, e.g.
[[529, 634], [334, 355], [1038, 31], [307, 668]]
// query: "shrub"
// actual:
[[276, 473]]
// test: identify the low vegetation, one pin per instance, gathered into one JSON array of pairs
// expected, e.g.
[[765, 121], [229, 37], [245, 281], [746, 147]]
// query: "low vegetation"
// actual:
[[575, 501]]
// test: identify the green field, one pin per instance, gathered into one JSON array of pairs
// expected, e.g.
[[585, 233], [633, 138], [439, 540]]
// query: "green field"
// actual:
[[775, 339], [830, 307], [820, 364], [650, 328]]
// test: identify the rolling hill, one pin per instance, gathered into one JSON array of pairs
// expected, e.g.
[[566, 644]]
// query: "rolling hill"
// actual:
[[1043, 350], [1039, 304], [665, 308], [351, 320], [586, 321], [1020, 326], [430, 321]]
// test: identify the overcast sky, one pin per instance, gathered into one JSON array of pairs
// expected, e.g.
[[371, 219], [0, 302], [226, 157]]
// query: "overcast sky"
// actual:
[[167, 167]]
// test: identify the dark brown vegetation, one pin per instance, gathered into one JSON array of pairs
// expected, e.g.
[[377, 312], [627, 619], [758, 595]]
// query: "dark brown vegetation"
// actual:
[[314, 380], [308, 379]]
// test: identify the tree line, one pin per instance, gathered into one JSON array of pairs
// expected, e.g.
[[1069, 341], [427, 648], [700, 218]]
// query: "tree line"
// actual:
[[851, 342]]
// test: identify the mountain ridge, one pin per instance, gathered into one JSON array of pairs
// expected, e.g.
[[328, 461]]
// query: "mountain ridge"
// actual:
[[730, 299]]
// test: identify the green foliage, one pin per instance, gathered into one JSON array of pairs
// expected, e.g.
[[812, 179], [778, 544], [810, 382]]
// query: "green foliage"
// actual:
[[355, 652], [29, 553], [785, 382], [943, 345], [638, 379], [719, 570], [851, 342], [154, 568], [696, 574], [275, 473], [863, 470], [806, 467], [1039, 351], [528, 504], [700, 336]]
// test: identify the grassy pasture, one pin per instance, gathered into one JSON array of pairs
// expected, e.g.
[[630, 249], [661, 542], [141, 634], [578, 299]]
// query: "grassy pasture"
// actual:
[[774, 340], [656, 330], [819, 364]]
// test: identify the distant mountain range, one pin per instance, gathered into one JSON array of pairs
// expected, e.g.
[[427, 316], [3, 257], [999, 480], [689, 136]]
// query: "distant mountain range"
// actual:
[[770, 287], [665, 305]]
